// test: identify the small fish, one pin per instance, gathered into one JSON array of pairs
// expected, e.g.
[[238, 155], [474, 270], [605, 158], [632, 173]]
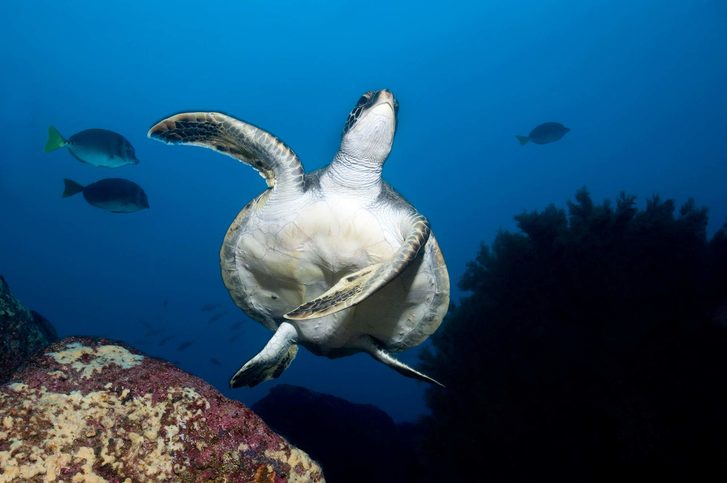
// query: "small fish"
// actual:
[[97, 147], [166, 339], [216, 317], [545, 133], [145, 323], [208, 307], [237, 325], [153, 331], [233, 338], [215, 361], [185, 345], [165, 303], [116, 195]]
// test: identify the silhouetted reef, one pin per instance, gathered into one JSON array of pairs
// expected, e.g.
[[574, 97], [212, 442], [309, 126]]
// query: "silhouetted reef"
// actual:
[[591, 346], [23, 332], [353, 442]]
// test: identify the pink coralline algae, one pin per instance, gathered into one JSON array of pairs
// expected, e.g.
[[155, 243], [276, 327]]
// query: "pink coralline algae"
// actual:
[[97, 410]]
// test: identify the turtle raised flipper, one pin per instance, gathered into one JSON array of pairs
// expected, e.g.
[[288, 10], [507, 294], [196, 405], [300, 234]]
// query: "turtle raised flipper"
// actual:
[[270, 362], [356, 287], [275, 161]]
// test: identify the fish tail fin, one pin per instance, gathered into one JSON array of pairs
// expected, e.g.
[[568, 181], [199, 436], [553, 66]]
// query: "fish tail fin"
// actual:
[[71, 188], [523, 140], [55, 140]]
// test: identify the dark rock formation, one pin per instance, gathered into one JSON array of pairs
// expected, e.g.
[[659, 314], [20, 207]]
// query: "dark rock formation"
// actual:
[[96, 410], [592, 348], [353, 442], [24, 332]]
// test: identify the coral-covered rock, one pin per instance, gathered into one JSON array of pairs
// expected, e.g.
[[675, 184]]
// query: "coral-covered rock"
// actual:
[[24, 332], [96, 410], [353, 442]]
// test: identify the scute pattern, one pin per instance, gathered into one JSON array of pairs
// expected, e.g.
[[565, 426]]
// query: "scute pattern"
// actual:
[[275, 161]]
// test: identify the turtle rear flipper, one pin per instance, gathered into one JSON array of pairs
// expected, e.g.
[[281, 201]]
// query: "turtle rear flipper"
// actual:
[[275, 161], [270, 362], [356, 287], [382, 355]]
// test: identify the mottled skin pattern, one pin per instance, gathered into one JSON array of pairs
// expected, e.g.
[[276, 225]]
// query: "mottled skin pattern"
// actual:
[[335, 260], [96, 410]]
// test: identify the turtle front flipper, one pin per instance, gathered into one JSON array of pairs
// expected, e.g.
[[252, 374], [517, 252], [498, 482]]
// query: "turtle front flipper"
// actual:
[[356, 287], [270, 362], [275, 161]]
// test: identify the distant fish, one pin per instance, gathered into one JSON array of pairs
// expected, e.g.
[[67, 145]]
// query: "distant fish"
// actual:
[[97, 147], [545, 133], [153, 331], [208, 307], [165, 303], [215, 361], [233, 338], [237, 325], [166, 339], [117, 195], [185, 345], [216, 317]]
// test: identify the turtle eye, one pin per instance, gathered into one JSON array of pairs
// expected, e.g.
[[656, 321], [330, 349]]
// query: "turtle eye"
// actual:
[[363, 100]]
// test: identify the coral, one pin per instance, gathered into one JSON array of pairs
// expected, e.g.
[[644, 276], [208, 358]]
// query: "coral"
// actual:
[[589, 348], [24, 332], [95, 410]]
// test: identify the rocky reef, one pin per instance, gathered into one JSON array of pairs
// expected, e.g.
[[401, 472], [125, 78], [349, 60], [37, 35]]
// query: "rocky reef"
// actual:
[[353, 442], [591, 347], [97, 410], [24, 332]]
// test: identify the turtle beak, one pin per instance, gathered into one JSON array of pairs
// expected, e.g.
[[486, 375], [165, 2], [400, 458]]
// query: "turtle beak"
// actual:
[[385, 95]]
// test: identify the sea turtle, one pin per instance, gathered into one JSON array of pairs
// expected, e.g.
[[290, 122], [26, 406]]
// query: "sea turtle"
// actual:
[[334, 260]]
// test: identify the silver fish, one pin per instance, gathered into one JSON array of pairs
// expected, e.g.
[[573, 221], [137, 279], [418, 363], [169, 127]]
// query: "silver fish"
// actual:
[[97, 147]]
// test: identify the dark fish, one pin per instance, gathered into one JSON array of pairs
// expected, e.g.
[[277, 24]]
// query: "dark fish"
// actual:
[[237, 325], [166, 339], [216, 317], [215, 361], [185, 345], [545, 133], [208, 307], [116, 195], [165, 303], [97, 147], [233, 338], [145, 323]]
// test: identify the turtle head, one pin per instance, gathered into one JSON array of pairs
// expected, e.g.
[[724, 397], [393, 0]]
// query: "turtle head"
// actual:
[[369, 130]]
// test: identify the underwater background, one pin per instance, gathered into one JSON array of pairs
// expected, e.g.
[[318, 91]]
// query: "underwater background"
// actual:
[[641, 85]]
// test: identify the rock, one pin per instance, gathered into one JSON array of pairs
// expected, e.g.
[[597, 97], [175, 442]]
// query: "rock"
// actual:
[[96, 410], [352, 442], [24, 332]]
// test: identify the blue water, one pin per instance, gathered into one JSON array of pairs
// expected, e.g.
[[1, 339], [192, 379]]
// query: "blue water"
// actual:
[[641, 85]]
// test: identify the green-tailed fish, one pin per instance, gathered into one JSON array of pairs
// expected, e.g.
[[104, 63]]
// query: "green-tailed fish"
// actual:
[[545, 133], [117, 195], [97, 147]]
